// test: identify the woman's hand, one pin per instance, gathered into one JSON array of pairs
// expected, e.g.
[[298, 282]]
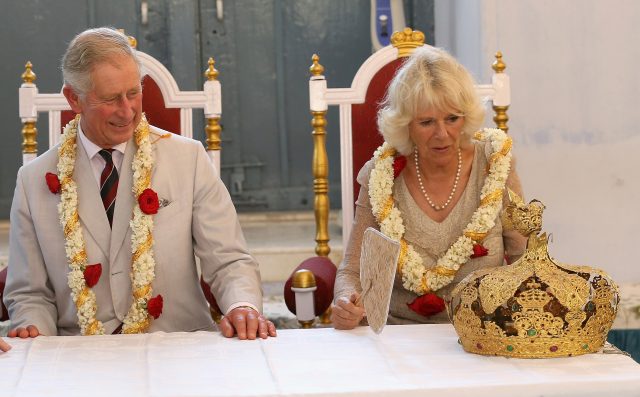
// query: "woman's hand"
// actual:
[[345, 314], [4, 346]]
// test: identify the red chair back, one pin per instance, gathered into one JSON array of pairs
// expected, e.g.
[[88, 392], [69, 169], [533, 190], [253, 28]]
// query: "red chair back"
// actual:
[[365, 135]]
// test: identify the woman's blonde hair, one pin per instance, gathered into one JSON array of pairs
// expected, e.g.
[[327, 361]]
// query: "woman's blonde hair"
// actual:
[[430, 78]]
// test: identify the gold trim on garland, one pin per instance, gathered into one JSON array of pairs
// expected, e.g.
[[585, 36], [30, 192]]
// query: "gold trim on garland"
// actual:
[[415, 277]]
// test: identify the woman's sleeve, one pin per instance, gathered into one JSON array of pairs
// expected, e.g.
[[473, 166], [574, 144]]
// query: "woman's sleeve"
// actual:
[[348, 275], [514, 242]]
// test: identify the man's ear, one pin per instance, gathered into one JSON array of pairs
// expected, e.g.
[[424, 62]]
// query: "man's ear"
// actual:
[[72, 98]]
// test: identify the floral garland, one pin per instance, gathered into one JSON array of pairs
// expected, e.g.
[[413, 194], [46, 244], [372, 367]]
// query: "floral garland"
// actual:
[[415, 277], [81, 276]]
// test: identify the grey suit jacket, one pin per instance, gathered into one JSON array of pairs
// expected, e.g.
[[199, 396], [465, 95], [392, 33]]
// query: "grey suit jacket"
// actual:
[[199, 219]]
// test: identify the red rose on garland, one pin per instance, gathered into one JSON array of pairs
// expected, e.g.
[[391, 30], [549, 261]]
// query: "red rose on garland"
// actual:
[[427, 305], [398, 165], [148, 201], [154, 306], [53, 183], [92, 274], [479, 250]]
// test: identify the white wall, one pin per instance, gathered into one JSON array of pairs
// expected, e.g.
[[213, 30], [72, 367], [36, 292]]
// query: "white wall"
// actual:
[[575, 114]]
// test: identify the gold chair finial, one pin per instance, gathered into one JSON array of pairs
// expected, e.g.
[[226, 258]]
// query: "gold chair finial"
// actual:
[[28, 76], [132, 40], [498, 65], [303, 278], [407, 41], [211, 73], [316, 69]]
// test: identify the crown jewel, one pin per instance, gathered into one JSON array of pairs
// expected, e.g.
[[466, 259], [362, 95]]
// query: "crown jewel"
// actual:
[[536, 307]]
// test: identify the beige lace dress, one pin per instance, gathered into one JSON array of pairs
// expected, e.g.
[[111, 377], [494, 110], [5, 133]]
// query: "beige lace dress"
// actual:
[[430, 239]]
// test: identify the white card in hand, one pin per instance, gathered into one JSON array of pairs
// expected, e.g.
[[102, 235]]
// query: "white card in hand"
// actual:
[[378, 263]]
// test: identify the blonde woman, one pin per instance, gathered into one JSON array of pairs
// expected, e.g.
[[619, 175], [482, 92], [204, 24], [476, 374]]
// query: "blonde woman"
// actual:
[[437, 184]]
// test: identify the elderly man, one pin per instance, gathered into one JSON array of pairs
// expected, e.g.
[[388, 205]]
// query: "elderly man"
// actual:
[[105, 226]]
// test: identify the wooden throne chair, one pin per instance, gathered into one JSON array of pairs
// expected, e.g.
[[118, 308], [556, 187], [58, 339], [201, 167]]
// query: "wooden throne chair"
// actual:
[[164, 104], [358, 107]]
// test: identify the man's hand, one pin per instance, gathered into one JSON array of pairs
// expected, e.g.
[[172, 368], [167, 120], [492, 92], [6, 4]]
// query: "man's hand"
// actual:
[[30, 332], [345, 314], [247, 324], [4, 346]]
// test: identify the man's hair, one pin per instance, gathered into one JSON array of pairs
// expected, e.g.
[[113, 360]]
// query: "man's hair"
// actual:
[[89, 48], [430, 79]]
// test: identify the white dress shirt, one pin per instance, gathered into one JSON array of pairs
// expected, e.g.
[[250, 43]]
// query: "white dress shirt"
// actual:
[[97, 162]]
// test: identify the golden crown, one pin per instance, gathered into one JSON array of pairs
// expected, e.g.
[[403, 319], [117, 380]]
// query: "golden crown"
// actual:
[[536, 307]]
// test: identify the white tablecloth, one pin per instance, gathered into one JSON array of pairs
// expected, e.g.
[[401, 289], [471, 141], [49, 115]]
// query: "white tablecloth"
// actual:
[[403, 360]]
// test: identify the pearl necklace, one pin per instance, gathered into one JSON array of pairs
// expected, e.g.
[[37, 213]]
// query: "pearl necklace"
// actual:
[[424, 192], [415, 276]]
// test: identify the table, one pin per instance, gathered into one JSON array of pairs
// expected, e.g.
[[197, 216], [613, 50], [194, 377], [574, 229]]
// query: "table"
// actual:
[[408, 360]]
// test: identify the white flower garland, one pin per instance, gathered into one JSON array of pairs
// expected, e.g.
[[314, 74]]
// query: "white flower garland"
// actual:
[[143, 264], [415, 277]]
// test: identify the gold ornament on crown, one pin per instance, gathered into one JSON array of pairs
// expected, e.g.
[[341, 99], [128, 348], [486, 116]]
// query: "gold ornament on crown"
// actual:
[[137, 319], [536, 307], [415, 276]]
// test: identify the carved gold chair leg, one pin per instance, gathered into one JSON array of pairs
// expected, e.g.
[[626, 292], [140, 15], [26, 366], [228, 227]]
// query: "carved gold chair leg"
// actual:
[[29, 133], [501, 117], [213, 128], [212, 113], [29, 130], [325, 318], [321, 181]]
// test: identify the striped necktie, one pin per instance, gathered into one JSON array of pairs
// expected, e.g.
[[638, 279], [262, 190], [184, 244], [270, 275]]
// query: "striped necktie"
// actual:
[[108, 184]]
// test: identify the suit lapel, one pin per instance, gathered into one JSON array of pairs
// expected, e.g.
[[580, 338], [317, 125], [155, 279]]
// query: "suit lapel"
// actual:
[[90, 208], [124, 203]]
